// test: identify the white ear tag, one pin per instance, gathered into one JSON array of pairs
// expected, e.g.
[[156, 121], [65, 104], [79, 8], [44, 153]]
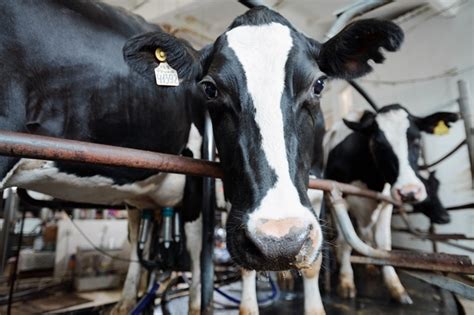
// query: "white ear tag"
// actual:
[[165, 75]]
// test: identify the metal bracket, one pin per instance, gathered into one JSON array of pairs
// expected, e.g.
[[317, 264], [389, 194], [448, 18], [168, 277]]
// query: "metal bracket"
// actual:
[[208, 211]]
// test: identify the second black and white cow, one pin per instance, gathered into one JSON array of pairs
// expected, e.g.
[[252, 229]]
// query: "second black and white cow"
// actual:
[[378, 151], [86, 71]]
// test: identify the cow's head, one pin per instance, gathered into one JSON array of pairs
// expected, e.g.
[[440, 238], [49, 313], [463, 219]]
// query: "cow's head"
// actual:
[[262, 81], [432, 206], [394, 138]]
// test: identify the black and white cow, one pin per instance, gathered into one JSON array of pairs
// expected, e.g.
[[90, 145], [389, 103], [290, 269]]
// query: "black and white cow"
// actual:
[[85, 70], [378, 151]]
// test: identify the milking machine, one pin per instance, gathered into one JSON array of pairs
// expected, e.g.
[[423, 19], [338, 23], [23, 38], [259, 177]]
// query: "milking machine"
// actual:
[[167, 244], [163, 235]]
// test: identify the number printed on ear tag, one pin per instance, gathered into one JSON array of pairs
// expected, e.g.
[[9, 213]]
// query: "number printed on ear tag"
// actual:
[[165, 75]]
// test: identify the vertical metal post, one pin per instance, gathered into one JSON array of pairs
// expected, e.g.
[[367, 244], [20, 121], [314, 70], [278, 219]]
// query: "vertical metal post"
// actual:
[[15, 266], [432, 231], [326, 251], [467, 115], [207, 264], [9, 212]]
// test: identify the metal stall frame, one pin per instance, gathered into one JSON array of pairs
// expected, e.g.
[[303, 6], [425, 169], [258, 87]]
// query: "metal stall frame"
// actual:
[[48, 148], [208, 223]]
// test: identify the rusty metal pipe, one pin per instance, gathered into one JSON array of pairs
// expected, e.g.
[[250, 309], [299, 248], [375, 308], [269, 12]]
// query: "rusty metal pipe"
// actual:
[[49, 148], [329, 185], [342, 219], [421, 260]]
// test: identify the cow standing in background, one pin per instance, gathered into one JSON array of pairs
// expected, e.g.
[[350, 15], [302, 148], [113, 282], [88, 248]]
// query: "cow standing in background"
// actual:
[[377, 150], [63, 74]]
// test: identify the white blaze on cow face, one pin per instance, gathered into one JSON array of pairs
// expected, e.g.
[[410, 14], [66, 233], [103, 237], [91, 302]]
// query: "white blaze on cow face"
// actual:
[[263, 50], [394, 124]]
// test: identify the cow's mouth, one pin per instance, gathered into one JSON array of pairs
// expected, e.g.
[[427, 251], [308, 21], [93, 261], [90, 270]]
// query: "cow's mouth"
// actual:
[[248, 256]]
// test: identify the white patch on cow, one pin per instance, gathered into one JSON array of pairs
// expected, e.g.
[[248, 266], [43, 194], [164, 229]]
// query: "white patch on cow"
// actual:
[[195, 142], [394, 125], [42, 176], [132, 281], [265, 77], [9, 174], [248, 302], [228, 206], [193, 232], [162, 189], [316, 198]]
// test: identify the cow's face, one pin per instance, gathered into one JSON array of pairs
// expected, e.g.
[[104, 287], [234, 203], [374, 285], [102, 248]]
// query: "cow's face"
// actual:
[[261, 82], [394, 140]]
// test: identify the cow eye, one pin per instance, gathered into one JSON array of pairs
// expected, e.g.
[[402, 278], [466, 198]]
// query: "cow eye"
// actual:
[[210, 89], [318, 86]]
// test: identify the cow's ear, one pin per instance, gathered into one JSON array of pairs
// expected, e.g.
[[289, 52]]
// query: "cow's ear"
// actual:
[[437, 123], [432, 176], [139, 54], [365, 124], [432, 182], [346, 55]]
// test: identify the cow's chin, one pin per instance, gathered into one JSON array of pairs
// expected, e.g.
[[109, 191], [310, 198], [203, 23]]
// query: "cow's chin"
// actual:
[[245, 254]]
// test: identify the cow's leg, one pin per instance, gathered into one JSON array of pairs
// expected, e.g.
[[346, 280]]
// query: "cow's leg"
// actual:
[[130, 287], [346, 288], [383, 241], [248, 303], [193, 231], [313, 304]]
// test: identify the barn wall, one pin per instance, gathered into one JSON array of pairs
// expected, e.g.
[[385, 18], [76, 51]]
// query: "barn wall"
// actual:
[[434, 45]]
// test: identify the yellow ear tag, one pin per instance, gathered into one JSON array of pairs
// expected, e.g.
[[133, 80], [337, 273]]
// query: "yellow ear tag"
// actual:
[[160, 55], [165, 75], [441, 128]]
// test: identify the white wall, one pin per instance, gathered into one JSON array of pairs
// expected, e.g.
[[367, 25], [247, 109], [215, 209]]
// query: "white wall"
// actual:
[[433, 45], [105, 234]]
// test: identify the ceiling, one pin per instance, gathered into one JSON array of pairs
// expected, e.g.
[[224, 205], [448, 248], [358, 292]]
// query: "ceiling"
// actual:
[[201, 21]]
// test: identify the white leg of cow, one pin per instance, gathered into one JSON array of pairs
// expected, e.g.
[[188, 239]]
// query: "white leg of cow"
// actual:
[[313, 304], [193, 232], [248, 302], [346, 288], [130, 287], [384, 241]]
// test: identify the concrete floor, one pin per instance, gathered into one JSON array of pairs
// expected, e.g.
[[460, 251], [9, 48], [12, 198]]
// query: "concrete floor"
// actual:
[[372, 299]]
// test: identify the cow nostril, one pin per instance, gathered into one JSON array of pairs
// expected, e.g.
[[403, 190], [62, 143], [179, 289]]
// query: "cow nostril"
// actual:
[[281, 238], [408, 196]]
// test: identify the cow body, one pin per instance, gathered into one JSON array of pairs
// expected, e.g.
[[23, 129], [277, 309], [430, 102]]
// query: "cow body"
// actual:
[[63, 74], [378, 151], [68, 79]]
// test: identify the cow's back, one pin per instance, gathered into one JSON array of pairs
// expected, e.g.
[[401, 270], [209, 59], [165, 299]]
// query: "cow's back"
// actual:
[[62, 74]]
